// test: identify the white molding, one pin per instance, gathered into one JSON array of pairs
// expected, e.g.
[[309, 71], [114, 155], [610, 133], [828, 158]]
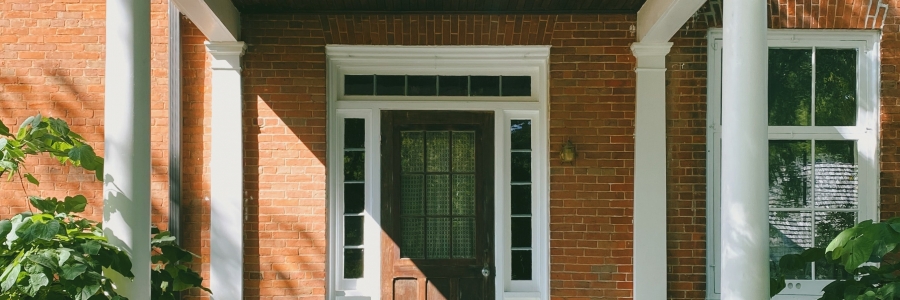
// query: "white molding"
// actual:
[[865, 132], [649, 252], [226, 173], [452, 60], [219, 20], [658, 20]]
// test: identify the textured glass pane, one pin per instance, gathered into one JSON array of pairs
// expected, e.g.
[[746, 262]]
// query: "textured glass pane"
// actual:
[[390, 85], [520, 166], [438, 238], [453, 85], [354, 165], [463, 151], [789, 170], [422, 85], [354, 198], [515, 86], [412, 192], [412, 151], [828, 225], [353, 230], [789, 233], [521, 199], [520, 134], [354, 133], [353, 263], [463, 195], [521, 265], [485, 85], [790, 87], [464, 238], [438, 151], [359, 85], [835, 87], [521, 231], [412, 241], [437, 195], [836, 174]]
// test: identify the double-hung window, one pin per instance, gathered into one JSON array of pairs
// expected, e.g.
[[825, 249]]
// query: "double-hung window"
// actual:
[[823, 129]]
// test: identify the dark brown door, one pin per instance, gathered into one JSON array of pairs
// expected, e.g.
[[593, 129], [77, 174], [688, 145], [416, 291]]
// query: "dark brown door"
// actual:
[[437, 205]]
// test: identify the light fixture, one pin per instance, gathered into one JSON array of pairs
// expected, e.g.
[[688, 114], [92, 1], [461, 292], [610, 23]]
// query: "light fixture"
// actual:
[[567, 153]]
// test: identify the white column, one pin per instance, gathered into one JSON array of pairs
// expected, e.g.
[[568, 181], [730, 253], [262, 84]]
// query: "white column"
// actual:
[[745, 225], [126, 184], [650, 171], [226, 167]]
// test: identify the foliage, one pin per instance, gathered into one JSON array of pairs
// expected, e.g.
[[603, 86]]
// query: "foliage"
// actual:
[[867, 251], [54, 253]]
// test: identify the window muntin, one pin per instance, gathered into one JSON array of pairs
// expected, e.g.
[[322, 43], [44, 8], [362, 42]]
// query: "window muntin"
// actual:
[[811, 93]]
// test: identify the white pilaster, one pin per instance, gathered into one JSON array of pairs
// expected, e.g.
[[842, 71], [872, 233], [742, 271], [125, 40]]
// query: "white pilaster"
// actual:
[[226, 167], [126, 184], [650, 171], [745, 229]]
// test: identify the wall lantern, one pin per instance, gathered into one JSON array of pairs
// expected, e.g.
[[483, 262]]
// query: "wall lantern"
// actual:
[[567, 153]]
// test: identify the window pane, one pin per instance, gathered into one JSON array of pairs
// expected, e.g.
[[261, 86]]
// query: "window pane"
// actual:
[[835, 87], [520, 134], [354, 165], [789, 167], [354, 133], [520, 166], [422, 86], [359, 85], [790, 87], [353, 263], [521, 199], [521, 265], [789, 233], [837, 185], [390, 85], [412, 151], [521, 231], [464, 238], [412, 241], [828, 225], [463, 151], [412, 192], [463, 194], [438, 238], [453, 85], [353, 230], [515, 85], [354, 198], [437, 195], [485, 85], [438, 151]]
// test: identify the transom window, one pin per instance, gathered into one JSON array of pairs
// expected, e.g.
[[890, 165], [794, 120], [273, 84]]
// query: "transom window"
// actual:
[[434, 85], [822, 116]]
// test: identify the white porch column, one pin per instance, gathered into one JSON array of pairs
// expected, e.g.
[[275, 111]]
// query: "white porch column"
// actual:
[[650, 171], [745, 225], [226, 167], [126, 184]]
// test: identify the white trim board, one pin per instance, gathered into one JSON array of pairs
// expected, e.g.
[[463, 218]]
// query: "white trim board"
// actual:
[[452, 60]]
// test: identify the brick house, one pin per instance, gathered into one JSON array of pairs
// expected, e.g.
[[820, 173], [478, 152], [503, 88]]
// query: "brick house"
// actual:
[[412, 149]]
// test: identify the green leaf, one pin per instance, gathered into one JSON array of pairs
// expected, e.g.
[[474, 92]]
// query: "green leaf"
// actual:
[[63, 255], [32, 179], [3, 142], [75, 204], [44, 205], [11, 273], [35, 283], [85, 293], [4, 130], [45, 231], [43, 259], [84, 156], [91, 247], [26, 123], [59, 126], [70, 272], [776, 285]]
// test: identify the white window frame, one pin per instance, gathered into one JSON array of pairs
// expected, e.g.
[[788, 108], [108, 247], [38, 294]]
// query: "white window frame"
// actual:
[[450, 60], [865, 133]]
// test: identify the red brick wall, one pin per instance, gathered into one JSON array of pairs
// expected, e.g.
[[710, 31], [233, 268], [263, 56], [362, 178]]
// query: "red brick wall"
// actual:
[[51, 61], [592, 95]]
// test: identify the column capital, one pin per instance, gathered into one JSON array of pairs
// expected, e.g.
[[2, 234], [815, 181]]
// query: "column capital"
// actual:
[[226, 55], [651, 55]]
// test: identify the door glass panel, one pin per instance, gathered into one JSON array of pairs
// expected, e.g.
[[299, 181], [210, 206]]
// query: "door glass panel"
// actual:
[[463, 151], [835, 87], [413, 190], [438, 238], [836, 174], [437, 191], [790, 87], [789, 168], [789, 233], [438, 151], [412, 152], [413, 242], [463, 194], [463, 238]]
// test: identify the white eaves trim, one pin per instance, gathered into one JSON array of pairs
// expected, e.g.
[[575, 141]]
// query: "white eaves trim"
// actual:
[[658, 20], [219, 20]]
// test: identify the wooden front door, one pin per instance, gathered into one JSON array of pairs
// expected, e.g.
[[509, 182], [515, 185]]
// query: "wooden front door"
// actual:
[[437, 205]]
